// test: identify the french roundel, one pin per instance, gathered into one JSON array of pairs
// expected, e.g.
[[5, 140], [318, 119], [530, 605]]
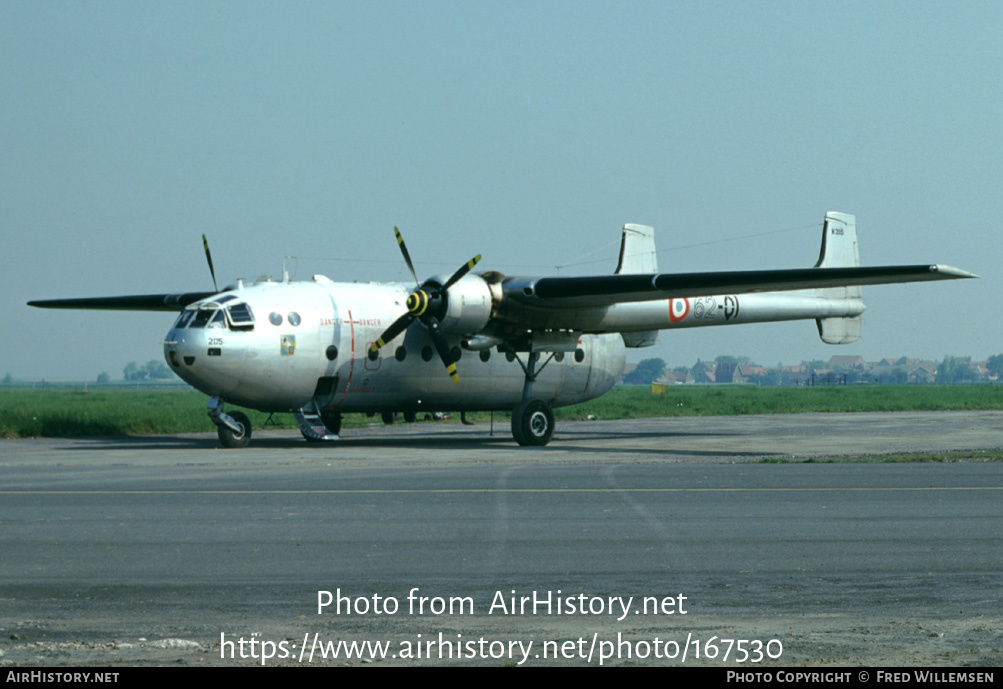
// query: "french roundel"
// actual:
[[678, 309]]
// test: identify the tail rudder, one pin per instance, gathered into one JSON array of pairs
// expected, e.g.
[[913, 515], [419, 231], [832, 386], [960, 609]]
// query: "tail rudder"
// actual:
[[638, 256], [839, 250], [839, 242], [637, 250]]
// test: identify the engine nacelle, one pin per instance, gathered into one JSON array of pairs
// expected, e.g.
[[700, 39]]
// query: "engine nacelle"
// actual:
[[468, 306]]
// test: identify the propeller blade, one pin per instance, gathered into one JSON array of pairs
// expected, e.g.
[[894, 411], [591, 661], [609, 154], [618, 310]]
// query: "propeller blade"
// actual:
[[464, 269], [407, 256], [208, 257], [395, 329], [442, 346]]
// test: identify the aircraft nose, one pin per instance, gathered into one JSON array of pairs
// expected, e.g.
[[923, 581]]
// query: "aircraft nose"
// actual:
[[199, 358]]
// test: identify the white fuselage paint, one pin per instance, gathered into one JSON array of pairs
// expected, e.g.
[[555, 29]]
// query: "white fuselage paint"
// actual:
[[276, 366]]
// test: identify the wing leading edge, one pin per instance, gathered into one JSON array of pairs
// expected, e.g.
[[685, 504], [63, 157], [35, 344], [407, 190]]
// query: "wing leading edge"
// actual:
[[606, 290], [135, 302]]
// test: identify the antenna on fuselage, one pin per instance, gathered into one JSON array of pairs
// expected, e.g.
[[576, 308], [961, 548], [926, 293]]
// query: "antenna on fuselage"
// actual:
[[208, 257]]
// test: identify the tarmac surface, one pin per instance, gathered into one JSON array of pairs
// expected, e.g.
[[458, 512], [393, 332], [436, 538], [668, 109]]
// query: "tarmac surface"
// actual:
[[621, 543]]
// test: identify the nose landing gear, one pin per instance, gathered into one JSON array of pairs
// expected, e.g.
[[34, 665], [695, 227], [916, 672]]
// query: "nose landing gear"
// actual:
[[234, 429]]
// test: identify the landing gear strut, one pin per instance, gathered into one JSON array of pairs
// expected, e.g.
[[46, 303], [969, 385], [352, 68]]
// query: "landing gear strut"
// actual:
[[234, 429], [532, 418]]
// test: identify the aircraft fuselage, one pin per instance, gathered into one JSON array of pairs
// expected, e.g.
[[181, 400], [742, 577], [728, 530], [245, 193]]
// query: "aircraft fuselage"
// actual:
[[312, 339]]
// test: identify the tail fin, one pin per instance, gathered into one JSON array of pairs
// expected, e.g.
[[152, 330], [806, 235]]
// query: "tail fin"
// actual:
[[637, 255], [839, 250], [637, 250]]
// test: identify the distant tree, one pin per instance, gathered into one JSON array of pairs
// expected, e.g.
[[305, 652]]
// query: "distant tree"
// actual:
[[729, 359], [815, 365], [8, 379], [133, 372], [103, 378], [995, 365], [648, 371], [956, 369], [156, 370], [772, 377]]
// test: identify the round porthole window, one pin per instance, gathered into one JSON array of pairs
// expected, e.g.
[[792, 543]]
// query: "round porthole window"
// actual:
[[275, 318], [294, 318]]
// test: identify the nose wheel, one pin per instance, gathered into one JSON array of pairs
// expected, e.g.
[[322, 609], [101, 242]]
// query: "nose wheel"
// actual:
[[231, 438], [234, 429], [533, 422]]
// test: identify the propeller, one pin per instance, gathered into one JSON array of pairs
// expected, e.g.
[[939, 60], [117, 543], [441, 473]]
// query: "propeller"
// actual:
[[208, 257], [426, 304]]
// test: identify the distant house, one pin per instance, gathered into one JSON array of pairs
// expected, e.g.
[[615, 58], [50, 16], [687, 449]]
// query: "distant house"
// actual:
[[703, 372], [848, 362], [727, 373], [677, 377]]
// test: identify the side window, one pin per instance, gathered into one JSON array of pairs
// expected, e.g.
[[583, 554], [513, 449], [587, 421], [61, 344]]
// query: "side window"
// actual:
[[241, 317]]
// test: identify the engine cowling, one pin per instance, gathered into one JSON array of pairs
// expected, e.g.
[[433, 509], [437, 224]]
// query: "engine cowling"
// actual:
[[468, 305]]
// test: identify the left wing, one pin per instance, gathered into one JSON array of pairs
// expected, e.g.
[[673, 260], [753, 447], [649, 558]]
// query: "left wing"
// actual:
[[136, 302]]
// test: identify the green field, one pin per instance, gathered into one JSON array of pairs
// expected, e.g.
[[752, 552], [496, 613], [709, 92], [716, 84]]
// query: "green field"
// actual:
[[137, 411]]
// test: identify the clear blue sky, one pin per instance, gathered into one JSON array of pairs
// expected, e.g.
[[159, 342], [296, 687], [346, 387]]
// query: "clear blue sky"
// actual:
[[528, 132]]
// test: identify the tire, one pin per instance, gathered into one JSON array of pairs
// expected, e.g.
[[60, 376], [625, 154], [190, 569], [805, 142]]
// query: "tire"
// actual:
[[229, 439], [532, 423], [388, 417], [410, 416]]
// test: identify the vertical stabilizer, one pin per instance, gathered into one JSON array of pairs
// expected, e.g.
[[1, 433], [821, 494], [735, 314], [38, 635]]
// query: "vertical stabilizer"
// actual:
[[637, 255], [637, 250], [839, 250]]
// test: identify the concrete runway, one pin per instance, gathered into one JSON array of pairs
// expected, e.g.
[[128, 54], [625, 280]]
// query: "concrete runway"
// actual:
[[147, 550]]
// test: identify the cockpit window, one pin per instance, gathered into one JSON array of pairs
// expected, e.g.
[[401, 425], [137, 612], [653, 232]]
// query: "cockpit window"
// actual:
[[223, 300], [183, 319], [218, 321], [202, 317]]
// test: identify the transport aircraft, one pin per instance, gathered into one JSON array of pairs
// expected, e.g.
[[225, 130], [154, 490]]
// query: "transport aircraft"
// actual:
[[477, 341]]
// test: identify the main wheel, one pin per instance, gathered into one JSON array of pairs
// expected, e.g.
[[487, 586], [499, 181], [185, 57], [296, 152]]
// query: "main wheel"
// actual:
[[230, 438], [533, 422], [410, 416], [388, 417]]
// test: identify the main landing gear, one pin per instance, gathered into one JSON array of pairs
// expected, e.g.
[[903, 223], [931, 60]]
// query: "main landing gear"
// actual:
[[532, 422], [532, 418]]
